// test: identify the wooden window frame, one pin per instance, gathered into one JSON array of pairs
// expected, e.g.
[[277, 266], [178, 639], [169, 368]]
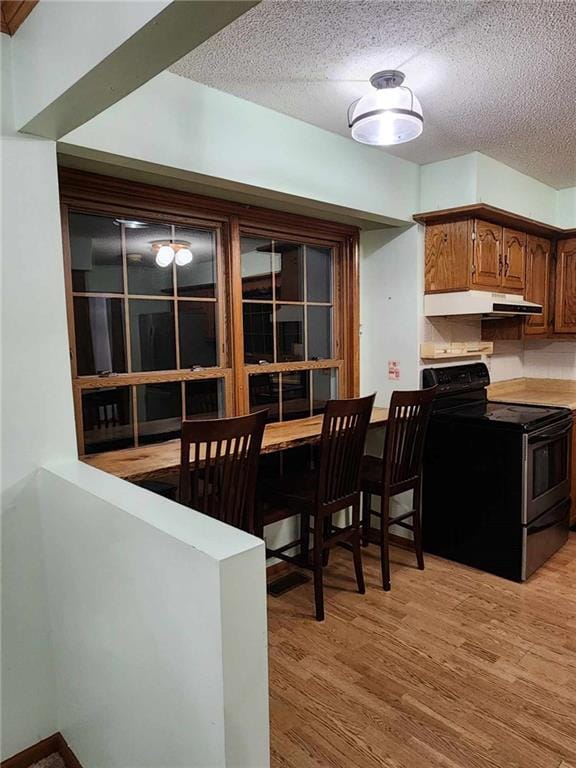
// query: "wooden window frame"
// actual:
[[110, 196]]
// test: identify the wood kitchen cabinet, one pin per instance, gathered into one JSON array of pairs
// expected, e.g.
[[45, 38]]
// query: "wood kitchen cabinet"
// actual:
[[538, 273], [479, 247], [474, 254], [513, 260], [565, 287], [487, 259], [448, 256]]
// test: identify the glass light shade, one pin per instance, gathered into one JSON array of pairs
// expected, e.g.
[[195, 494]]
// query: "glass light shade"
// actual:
[[183, 256], [387, 116], [165, 256]]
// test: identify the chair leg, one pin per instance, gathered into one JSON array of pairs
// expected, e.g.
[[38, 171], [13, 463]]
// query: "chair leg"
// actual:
[[357, 551], [366, 507], [384, 543], [304, 536], [318, 568], [417, 526], [327, 531]]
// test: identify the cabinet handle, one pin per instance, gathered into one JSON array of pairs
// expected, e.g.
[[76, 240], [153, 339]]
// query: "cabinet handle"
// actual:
[[500, 264], [506, 267]]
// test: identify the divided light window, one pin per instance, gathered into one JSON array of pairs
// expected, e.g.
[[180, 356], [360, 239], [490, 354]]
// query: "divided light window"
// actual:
[[265, 314], [288, 317], [149, 350]]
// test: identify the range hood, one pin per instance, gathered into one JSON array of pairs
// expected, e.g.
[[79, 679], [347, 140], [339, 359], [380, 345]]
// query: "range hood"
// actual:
[[478, 303]]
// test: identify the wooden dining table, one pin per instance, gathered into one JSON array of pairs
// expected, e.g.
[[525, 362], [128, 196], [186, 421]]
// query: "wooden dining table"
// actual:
[[152, 461]]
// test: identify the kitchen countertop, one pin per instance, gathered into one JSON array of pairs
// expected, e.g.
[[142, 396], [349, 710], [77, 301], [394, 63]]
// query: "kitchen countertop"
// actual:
[[559, 392]]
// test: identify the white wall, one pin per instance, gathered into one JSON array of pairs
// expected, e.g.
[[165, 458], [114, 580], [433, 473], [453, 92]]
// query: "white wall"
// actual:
[[566, 215], [158, 619], [476, 178], [107, 590], [503, 187], [448, 183], [37, 424], [391, 267], [189, 127], [52, 50]]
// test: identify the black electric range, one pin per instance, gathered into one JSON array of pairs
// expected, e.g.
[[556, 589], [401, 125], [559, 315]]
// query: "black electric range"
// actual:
[[496, 476]]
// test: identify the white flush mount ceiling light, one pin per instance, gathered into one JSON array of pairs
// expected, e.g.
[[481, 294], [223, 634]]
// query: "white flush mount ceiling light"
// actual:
[[390, 114]]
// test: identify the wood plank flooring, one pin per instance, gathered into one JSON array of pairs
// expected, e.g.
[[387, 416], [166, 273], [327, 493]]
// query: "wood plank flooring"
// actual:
[[453, 668]]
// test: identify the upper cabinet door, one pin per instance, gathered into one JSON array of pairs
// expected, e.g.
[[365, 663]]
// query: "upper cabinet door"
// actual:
[[565, 309], [448, 254], [514, 257], [487, 263], [538, 257]]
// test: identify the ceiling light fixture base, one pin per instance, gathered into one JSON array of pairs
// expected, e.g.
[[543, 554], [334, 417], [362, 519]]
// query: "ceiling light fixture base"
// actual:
[[387, 78]]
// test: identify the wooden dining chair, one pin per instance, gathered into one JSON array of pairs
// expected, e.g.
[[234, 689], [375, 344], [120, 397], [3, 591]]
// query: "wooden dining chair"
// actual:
[[318, 494], [398, 471], [219, 466]]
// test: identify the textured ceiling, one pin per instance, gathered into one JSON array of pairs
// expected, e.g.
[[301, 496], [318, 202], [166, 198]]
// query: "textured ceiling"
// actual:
[[496, 77]]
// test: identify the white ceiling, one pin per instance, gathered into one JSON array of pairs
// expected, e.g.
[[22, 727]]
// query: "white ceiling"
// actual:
[[496, 77]]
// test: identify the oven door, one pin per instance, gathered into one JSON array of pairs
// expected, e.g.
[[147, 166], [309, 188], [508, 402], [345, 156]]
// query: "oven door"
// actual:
[[547, 469]]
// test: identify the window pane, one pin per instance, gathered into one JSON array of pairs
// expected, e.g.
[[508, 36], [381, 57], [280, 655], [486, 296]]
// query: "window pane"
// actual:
[[99, 325], [324, 388], [152, 335], [295, 395], [289, 269], [319, 273], [319, 333], [159, 411], [289, 332], [96, 254], [258, 334], [256, 268], [107, 417], [204, 399], [264, 392], [144, 275], [198, 277], [197, 322]]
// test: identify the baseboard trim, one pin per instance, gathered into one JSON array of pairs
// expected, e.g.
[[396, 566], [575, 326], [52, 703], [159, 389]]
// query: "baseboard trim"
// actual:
[[44, 748]]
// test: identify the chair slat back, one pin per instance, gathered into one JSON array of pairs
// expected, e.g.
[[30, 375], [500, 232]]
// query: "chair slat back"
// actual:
[[408, 417], [341, 448], [219, 466]]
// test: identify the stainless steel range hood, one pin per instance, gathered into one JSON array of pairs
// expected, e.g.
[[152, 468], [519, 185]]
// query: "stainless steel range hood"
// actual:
[[478, 303]]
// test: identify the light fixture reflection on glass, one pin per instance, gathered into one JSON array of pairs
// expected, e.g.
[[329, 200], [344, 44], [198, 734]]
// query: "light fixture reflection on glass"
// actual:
[[130, 224], [184, 256], [164, 256], [389, 115]]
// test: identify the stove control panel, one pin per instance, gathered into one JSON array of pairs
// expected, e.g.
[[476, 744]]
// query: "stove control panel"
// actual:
[[454, 379]]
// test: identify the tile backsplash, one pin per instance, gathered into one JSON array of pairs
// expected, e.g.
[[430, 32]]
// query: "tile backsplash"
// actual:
[[534, 358], [550, 359]]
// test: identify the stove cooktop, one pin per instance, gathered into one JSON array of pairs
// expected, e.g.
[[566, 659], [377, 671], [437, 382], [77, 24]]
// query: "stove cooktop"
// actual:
[[527, 418]]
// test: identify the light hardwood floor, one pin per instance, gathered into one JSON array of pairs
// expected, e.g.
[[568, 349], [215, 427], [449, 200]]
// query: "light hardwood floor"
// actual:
[[452, 668]]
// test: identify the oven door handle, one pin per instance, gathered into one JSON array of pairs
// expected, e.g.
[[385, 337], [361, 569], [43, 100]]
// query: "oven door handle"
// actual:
[[550, 435], [540, 528]]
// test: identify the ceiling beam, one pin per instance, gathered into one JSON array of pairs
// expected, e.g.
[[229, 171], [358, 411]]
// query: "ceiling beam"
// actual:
[[74, 60]]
